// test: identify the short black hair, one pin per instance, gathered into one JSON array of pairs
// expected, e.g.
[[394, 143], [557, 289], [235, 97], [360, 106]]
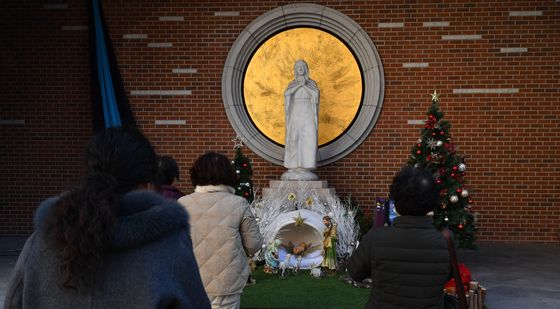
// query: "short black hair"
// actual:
[[414, 191], [167, 171], [213, 168]]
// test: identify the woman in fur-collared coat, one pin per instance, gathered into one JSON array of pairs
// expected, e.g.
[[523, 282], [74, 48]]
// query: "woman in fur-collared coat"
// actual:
[[224, 231], [109, 243]]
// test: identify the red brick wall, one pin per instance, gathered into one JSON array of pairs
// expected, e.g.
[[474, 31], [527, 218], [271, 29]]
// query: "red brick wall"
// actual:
[[44, 78], [510, 140]]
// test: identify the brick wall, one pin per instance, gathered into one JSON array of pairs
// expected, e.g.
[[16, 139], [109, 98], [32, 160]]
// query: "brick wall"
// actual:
[[496, 64]]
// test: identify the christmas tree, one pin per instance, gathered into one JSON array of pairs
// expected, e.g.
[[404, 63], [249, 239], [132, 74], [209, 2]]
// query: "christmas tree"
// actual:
[[435, 151], [242, 166]]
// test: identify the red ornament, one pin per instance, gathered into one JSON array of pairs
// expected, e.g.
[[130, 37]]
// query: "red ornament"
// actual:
[[433, 133], [246, 194], [245, 164], [441, 132], [460, 226], [419, 145], [455, 168], [459, 190], [431, 117], [418, 151], [452, 174], [429, 158], [450, 147], [438, 181], [470, 201]]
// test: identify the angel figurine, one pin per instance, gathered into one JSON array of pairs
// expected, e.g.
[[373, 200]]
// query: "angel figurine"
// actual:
[[271, 257], [329, 244]]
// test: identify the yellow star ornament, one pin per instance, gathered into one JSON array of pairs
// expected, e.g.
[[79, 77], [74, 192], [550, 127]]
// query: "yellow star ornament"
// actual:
[[299, 220], [435, 97]]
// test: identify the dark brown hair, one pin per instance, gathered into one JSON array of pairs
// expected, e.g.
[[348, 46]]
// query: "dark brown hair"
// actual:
[[213, 168], [82, 221]]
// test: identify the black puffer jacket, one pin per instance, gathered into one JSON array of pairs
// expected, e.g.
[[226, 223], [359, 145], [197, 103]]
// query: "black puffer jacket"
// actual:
[[408, 263]]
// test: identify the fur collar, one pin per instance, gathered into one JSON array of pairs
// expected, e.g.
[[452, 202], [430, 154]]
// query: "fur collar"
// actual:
[[211, 188], [143, 216]]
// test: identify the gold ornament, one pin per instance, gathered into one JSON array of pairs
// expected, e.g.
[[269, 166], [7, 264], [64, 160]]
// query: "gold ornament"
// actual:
[[309, 201], [299, 220], [435, 97], [291, 197]]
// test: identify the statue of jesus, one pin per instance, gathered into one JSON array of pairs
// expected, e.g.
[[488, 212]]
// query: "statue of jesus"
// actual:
[[301, 107]]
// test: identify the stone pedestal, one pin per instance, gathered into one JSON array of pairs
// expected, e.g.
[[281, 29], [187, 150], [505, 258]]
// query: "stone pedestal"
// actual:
[[296, 174], [320, 187]]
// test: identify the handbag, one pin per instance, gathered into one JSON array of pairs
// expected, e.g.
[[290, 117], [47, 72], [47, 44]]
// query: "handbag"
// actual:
[[451, 301]]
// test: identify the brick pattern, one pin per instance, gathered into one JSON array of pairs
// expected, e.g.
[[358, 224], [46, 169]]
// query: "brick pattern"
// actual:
[[510, 138]]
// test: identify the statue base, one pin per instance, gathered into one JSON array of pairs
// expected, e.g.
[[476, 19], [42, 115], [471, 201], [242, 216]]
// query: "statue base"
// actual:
[[299, 174]]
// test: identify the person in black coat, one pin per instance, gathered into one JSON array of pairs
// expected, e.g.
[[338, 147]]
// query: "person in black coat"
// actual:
[[408, 262]]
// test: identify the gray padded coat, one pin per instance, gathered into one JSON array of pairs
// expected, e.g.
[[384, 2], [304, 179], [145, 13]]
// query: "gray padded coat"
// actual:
[[151, 264]]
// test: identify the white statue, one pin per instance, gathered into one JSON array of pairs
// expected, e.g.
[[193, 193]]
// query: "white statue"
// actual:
[[301, 107]]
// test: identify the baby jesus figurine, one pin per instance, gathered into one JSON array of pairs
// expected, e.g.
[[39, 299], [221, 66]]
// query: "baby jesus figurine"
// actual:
[[300, 248]]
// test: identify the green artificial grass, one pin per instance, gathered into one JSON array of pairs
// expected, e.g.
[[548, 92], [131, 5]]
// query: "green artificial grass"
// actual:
[[301, 291]]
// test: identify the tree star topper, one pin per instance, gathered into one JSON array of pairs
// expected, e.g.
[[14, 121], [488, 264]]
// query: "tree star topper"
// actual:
[[299, 220], [435, 97], [238, 142]]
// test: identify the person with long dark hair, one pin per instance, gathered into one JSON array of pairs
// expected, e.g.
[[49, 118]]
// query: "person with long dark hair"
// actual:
[[109, 242], [224, 230]]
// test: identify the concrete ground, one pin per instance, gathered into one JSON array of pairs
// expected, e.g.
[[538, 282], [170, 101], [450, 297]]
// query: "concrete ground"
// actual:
[[516, 276]]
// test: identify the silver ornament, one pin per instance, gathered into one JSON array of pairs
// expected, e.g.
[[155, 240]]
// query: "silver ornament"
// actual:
[[263, 246], [446, 219], [439, 143], [454, 199], [462, 167], [237, 171], [258, 219], [432, 143], [419, 141], [464, 193]]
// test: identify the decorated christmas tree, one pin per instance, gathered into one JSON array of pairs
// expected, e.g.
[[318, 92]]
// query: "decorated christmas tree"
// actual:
[[435, 151], [242, 166]]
